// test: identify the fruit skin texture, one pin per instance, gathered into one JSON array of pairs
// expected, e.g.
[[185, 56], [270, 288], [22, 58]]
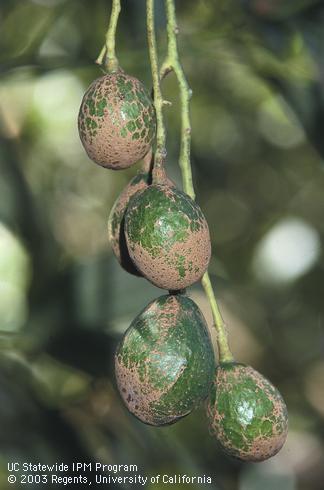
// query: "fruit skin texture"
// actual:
[[116, 220], [167, 237], [165, 363], [116, 121], [246, 413]]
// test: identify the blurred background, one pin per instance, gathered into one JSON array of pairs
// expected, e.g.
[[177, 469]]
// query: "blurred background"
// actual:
[[257, 73]]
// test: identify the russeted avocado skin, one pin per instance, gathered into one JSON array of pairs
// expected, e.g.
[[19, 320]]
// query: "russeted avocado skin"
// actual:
[[165, 363], [116, 121], [167, 237], [246, 413]]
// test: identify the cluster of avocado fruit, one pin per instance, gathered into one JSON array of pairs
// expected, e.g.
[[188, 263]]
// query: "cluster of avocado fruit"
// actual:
[[165, 364]]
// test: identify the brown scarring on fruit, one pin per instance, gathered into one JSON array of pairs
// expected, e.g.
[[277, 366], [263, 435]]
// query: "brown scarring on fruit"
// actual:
[[167, 237], [116, 121], [246, 413], [165, 362]]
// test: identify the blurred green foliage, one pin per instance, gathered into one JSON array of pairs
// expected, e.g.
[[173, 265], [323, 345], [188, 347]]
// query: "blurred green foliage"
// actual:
[[256, 70]]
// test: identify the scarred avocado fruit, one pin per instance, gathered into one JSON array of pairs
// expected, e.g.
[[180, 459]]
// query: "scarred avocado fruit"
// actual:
[[167, 237], [164, 364], [116, 220], [246, 413], [116, 121]]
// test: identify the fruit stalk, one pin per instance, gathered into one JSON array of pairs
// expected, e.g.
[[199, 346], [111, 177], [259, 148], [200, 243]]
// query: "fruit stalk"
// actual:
[[172, 63], [224, 352], [160, 153], [107, 56]]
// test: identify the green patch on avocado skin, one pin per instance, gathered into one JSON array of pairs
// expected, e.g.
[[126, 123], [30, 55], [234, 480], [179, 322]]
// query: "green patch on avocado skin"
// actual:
[[91, 124], [181, 260], [169, 347], [137, 107], [130, 111], [143, 97], [244, 409], [96, 106], [123, 132], [160, 217], [131, 126]]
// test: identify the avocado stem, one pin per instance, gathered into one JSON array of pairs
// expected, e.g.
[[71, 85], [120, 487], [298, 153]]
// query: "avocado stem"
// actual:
[[224, 352], [157, 174], [107, 57], [160, 152], [172, 63]]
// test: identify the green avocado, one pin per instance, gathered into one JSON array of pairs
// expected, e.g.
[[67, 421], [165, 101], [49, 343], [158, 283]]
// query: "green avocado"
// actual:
[[167, 237], [246, 413], [165, 363]]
